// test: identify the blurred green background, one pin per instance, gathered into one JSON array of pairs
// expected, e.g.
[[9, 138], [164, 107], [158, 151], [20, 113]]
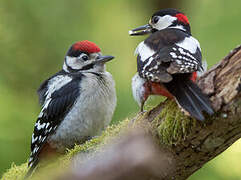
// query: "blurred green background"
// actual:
[[35, 35]]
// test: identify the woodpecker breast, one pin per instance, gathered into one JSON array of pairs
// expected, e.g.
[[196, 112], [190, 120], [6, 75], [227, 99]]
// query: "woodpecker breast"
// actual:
[[90, 114]]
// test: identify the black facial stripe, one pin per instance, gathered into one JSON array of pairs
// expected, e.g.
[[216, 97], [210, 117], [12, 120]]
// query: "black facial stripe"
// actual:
[[89, 66]]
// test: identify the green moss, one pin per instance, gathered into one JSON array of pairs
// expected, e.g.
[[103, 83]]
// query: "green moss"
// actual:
[[93, 145], [172, 125], [15, 172]]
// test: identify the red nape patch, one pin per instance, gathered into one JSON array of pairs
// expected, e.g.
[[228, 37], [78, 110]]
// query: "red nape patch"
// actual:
[[194, 77], [181, 17], [86, 46]]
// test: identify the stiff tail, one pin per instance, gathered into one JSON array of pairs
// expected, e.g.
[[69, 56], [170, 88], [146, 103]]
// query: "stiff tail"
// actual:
[[31, 169], [190, 97]]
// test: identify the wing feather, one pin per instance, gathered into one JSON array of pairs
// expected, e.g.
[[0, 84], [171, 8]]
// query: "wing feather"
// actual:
[[170, 56], [56, 106]]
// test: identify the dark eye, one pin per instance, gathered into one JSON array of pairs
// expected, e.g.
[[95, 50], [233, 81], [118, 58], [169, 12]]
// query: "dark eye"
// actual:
[[85, 57], [155, 19]]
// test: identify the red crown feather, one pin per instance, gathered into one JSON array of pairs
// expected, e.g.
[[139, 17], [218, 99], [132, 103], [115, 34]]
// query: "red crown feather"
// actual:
[[86, 46]]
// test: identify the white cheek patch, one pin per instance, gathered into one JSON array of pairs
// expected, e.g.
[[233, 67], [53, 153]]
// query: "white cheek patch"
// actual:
[[164, 22], [144, 51], [73, 62], [190, 44]]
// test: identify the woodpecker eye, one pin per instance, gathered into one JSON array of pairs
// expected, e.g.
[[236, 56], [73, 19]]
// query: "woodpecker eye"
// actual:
[[155, 19], [85, 57]]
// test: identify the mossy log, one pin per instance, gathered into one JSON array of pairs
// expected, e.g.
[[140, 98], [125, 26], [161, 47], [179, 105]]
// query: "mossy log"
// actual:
[[187, 143], [193, 143]]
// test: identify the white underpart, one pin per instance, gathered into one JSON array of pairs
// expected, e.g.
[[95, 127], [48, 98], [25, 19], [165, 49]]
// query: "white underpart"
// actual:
[[164, 22], [90, 114], [138, 88], [144, 51], [190, 44]]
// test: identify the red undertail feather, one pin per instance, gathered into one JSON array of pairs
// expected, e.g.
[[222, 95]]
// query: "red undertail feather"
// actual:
[[153, 88], [194, 77]]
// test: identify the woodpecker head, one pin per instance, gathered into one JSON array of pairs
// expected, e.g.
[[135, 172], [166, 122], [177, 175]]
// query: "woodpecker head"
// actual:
[[166, 18], [85, 56]]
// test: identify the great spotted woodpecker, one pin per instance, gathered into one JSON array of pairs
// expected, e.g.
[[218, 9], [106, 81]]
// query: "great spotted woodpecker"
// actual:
[[167, 63], [77, 102]]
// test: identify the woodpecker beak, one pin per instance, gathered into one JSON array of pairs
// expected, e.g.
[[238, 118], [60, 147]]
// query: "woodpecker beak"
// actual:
[[104, 59], [142, 30]]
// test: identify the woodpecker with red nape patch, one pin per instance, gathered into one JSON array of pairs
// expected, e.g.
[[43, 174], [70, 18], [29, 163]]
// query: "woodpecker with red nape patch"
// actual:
[[77, 102], [168, 62]]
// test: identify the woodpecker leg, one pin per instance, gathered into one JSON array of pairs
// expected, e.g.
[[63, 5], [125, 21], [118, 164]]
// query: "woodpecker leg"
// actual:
[[142, 106]]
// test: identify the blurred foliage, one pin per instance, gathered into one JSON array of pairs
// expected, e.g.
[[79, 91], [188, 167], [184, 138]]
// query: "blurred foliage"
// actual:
[[35, 35]]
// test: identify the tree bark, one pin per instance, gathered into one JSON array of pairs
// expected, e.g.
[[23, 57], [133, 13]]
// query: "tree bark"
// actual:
[[207, 140]]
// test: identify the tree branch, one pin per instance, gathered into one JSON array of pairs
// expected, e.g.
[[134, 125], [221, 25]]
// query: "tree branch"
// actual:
[[204, 142], [185, 143]]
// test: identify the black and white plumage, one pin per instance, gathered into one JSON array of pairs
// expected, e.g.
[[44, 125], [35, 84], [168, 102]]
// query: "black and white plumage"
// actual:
[[77, 103], [167, 52], [168, 62]]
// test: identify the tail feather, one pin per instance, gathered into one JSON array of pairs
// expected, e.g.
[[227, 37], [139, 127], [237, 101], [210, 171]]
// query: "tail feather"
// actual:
[[31, 169], [187, 102], [201, 97], [190, 97]]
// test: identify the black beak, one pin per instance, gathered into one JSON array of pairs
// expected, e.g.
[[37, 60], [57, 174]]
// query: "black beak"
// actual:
[[104, 59], [142, 30]]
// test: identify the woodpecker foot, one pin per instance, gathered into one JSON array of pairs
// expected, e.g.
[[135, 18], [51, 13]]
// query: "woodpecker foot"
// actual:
[[142, 107], [139, 114], [142, 112]]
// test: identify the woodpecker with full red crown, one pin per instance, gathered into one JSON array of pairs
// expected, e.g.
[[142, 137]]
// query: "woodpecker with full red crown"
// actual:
[[77, 102], [168, 62]]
